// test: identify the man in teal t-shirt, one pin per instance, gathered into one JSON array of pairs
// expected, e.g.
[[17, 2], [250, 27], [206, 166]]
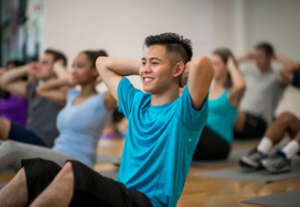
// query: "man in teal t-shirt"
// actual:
[[163, 132]]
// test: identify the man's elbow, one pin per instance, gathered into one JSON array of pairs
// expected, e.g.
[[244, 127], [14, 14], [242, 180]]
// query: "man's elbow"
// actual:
[[241, 88], [204, 64], [101, 64], [3, 82]]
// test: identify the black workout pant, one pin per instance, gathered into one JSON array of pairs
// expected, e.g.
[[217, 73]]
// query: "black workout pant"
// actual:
[[90, 188], [211, 146], [255, 127]]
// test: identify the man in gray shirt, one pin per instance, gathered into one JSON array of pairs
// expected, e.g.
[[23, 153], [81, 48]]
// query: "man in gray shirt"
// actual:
[[263, 91], [41, 123]]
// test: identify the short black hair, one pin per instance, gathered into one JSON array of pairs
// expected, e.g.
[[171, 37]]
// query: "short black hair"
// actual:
[[57, 55], [93, 55], [266, 47], [174, 43]]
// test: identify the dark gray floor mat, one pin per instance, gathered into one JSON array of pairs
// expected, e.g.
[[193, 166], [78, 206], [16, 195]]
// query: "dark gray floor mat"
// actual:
[[286, 199]]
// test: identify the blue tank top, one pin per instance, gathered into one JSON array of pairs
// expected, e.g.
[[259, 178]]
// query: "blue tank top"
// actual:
[[80, 127], [221, 116]]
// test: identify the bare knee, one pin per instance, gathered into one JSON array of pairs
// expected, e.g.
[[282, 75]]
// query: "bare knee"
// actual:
[[286, 118], [240, 121], [66, 172]]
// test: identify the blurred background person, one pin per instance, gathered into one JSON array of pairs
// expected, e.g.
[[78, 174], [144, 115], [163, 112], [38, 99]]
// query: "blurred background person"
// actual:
[[224, 97], [13, 108], [264, 89], [40, 128], [80, 122]]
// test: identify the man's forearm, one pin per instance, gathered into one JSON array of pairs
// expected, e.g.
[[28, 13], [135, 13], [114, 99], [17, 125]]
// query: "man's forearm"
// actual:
[[120, 66], [286, 62], [13, 75], [294, 68], [54, 84], [241, 59]]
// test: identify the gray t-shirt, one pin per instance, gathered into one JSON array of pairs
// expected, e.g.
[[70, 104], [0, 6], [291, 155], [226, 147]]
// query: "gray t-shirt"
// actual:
[[42, 115], [262, 93]]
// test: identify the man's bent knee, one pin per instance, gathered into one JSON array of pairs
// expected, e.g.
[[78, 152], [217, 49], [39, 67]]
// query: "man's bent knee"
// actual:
[[287, 117], [67, 171]]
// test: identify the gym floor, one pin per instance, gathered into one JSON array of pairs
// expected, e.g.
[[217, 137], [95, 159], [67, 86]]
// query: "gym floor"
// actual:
[[204, 192]]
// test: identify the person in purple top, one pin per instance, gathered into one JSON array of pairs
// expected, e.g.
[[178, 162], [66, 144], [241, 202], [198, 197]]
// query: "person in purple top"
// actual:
[[12, 107]]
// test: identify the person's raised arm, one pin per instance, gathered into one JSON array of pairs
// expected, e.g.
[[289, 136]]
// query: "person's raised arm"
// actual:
[[56, 90], [287, 74], [199, 79], [112, 70], [286, 62], [11, 80], [295, 68], [237, 89], [245, 57], [2, 70]]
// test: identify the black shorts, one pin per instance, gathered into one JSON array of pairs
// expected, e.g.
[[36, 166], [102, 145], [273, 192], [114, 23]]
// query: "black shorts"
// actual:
[[90, 188], [296, 80], [117, 116], [255, 127], [211, 146]]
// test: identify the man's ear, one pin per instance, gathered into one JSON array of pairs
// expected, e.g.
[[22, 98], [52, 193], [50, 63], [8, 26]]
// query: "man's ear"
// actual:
[[178, 69]]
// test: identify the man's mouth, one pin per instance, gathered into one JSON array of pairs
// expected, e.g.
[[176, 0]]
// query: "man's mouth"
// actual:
[[147, 79]]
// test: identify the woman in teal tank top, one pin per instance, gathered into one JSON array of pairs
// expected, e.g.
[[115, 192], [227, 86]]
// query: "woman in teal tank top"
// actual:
[[225, 94]]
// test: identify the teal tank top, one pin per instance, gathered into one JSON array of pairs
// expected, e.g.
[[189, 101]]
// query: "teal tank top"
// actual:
[[221, 116]]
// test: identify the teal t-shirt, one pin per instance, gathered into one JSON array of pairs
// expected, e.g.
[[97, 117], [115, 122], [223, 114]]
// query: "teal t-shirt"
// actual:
[[159, 144], [221, 116]]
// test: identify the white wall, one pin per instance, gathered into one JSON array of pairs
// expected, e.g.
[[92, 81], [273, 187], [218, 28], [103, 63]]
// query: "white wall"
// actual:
[[276, 21]]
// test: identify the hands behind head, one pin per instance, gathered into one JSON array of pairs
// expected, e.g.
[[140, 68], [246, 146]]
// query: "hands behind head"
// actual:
[[62, 72], [32, 69], [59, 63], [185, 75], [60, 69], [230, 63], [248, 56]]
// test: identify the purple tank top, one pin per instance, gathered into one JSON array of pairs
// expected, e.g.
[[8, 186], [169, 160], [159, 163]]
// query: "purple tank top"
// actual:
[[14, 109]]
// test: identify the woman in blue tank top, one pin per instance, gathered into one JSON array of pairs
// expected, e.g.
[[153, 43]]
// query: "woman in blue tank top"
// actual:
[[80, 122], [225, 94]]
